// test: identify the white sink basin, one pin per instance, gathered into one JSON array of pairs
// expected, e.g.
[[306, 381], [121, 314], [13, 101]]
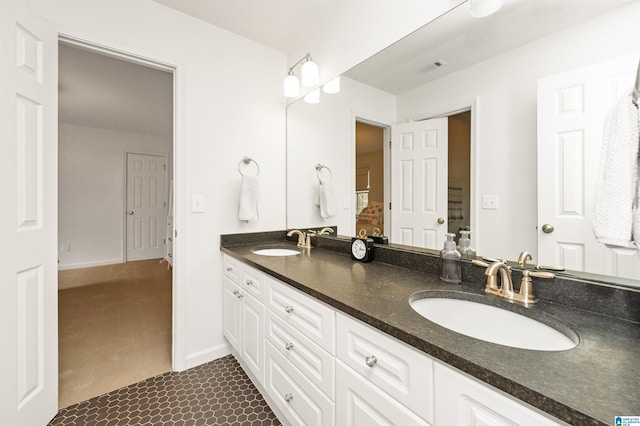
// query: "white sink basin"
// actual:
[[276, 252], [493, 324]]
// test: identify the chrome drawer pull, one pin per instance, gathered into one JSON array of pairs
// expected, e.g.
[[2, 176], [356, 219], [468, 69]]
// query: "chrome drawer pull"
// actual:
[[249, 282], [288, 346], [371, 360], [288, 397], [288, 309], [238, 294]]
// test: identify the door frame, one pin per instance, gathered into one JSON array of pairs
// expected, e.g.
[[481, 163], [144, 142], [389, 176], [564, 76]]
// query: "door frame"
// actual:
[[179, 329], [124, 201], [473, 105]]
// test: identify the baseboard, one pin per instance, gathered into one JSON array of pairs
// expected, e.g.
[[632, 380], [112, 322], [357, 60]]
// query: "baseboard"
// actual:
[[207, 355], [89, 264]]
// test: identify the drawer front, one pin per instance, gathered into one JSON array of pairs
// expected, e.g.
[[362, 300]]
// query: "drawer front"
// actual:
[[310, 317], [232, 269], [297, 397], [463, 400], [359, 403], [252, 281], [401, 371], [314, 362]]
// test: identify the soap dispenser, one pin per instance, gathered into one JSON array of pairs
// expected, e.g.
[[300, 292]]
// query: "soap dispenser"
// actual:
[[450, 267], [465, 249]]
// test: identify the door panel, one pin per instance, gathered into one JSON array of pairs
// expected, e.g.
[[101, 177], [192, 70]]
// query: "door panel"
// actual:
[[28, 217], [146, 210], [419, 179], [571, 110]]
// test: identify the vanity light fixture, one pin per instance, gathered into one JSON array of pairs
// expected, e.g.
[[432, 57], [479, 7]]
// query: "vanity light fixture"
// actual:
[[313, 97], [309, 75], [482, 8], [332, 87]]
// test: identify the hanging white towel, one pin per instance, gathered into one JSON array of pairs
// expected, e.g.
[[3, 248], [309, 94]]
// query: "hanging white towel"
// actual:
[[616, 213], [249, 194], [325, 200]]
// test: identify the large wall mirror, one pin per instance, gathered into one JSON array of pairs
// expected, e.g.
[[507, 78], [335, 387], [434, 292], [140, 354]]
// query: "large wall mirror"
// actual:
[[511, 110]]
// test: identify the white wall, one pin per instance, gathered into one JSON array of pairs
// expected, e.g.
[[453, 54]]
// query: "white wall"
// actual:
[[506, 87], [231, 105], [325, 133], [91, 191]]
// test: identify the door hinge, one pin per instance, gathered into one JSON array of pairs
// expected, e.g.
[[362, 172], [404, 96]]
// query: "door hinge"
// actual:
[[389, 206], [389, 144], [164, 204], [165, 167], [175, 233], [164, 241]]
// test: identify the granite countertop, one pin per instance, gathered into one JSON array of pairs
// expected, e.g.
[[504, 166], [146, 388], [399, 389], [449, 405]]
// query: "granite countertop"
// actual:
[[590, 384]]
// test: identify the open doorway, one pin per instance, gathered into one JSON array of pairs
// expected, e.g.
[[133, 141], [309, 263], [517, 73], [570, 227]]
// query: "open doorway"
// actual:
[[115, 177], [459, 173], [370, 194]]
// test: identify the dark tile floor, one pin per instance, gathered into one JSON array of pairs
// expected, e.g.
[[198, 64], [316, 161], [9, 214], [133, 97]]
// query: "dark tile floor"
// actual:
[[217, 393]]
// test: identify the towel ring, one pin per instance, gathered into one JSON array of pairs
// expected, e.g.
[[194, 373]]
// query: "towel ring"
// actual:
[[319, 168], [247, 161]]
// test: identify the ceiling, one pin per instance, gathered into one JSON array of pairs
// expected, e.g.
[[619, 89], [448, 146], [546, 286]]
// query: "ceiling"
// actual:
[[458, 41], [280, 24], [96, 90]]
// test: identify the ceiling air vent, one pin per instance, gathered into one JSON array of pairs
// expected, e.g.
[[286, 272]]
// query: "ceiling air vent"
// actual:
[[432, 66]]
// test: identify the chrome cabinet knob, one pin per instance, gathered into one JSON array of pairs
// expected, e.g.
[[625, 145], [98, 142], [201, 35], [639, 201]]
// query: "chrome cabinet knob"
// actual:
[[288, 309], [238, 294], [547, 229], [249, 282], [229, 269], [130, 212], [371, 360], [440, 220], [288, 397], [288, 346]]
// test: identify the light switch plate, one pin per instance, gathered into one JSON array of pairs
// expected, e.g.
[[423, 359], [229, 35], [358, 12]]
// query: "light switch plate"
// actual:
[[490, 202], [197, 203]]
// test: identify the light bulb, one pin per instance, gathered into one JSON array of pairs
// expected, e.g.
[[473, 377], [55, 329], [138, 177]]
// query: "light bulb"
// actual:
[[310, 75], [332, 87], [313, 97], [482, 8], [291, 86]]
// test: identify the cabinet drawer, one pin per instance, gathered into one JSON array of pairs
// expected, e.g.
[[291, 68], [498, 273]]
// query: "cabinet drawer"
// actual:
[[359, 403], [465, 401], [297, 397], [401, 371], [312, 318], [312, 361], [232, 269]]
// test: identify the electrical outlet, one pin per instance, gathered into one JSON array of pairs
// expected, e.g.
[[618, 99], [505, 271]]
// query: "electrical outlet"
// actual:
[[490, 202], [197, 203]]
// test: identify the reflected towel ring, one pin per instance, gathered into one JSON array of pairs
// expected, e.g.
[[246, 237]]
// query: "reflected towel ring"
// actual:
[[247, 161], [319, 168]]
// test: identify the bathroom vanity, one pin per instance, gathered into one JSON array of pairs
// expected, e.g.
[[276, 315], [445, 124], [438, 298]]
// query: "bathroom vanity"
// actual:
[[329, 340]]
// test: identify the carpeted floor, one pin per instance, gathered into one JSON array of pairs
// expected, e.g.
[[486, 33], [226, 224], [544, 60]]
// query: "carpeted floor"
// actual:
[[114, 327]]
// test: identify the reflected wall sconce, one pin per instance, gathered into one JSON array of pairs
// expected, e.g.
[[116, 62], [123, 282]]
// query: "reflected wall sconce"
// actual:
[[482, 8], [309, 75]]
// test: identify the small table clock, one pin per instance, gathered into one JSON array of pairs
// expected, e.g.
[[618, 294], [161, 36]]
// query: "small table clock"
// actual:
[[362, 248]]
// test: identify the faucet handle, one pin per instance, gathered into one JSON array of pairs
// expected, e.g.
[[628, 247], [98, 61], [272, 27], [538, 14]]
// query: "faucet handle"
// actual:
[[539, 274], [480, 263], [526, 285]]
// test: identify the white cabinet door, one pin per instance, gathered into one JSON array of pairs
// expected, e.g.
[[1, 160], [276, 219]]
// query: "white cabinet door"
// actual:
[[360, 403], [295, 395], [314, 362], [252, 351], [399, 370], [232, 313], [461, 400], [311, 317]]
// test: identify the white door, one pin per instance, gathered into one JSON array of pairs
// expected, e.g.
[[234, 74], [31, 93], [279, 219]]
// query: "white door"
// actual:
[[419, 183], [571, 110], [28, 218], [146, 206]]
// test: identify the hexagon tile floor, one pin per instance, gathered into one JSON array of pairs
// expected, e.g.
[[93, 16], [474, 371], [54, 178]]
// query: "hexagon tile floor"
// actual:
[[216, 393]]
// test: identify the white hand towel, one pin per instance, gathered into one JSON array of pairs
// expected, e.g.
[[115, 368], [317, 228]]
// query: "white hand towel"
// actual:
[[326, 200], [249, 194], [616, 216]]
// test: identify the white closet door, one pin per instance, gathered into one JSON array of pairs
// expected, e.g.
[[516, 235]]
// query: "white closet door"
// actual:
[[28, 217]]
